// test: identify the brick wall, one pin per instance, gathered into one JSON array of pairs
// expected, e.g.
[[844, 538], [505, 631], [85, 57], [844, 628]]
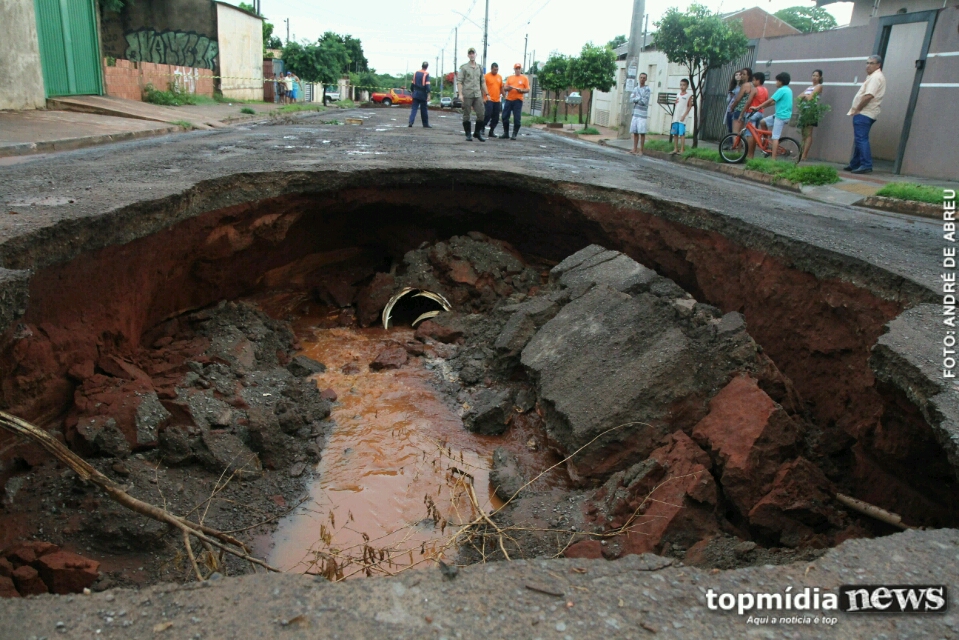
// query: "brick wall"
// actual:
[[128, 79]]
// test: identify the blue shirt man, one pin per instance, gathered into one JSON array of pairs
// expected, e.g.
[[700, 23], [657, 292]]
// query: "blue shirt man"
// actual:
[[421, 95]]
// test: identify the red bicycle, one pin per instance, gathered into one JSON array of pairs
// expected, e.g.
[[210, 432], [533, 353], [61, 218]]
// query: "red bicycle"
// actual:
[[733, 148]]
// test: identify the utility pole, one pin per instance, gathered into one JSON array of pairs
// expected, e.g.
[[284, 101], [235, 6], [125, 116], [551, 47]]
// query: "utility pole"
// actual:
[[288, 31], [442, 68], [456, 48], [485, 35], [632, 67], [525, 42]]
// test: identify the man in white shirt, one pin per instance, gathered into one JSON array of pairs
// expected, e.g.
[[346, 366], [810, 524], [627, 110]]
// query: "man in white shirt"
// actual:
[[681, 109], [864, 112]]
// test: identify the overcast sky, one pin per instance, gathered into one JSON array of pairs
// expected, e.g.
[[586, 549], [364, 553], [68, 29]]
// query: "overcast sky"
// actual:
[[398, 35]]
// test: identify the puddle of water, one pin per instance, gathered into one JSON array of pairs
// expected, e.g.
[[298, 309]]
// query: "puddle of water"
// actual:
[[391, 466]]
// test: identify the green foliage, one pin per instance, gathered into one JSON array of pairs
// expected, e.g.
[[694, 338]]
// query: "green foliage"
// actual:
[[702, 154], [173, 97], [568, 119], [588, 131], [807, 19], [812, 111], [554, 75], [813, 174], [183, 124], [699, 40], [325, 60], [248, 111], [115, 6], [659, 145], [618, 41], [299, 106], [594, 69], [912, 191]]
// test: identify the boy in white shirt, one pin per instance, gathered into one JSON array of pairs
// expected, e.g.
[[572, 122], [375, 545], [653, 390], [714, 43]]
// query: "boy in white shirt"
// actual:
[[678, 128]]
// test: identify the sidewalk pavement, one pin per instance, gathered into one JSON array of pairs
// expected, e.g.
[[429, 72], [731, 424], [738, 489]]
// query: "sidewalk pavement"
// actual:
[[93, 120], [849, 190]]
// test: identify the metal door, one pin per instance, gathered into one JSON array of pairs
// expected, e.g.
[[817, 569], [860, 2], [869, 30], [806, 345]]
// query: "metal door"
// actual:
[[712, 123], [69, 49]]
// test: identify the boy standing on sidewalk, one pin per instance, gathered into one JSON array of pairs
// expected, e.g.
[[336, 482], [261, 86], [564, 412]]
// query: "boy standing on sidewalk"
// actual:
[[678, 128]]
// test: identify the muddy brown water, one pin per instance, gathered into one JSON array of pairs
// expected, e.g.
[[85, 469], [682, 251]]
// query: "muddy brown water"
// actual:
[[397, 447]]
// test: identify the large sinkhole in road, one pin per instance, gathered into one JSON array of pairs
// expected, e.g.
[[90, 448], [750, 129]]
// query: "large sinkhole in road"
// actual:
[[625, 381]]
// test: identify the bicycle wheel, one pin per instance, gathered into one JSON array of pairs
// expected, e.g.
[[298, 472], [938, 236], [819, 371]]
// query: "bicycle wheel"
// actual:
[[732, 148], [789, 151]]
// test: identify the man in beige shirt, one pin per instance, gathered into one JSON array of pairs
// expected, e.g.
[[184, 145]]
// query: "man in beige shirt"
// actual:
[[864, 112], [472, 90]]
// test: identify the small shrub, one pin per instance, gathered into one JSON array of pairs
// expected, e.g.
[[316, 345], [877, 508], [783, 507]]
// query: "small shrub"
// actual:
[[912, 191], [300, 106], [769, 166], [173, 97], [588, 131], [703, 154], [248, 111], [659, 145], [184, 124], [814, 174]]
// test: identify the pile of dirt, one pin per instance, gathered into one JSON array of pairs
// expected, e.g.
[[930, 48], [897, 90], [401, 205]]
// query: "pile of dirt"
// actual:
[[214, 417]]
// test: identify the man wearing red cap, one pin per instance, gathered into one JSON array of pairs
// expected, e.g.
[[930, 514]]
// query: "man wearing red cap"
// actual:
[[518, 86]]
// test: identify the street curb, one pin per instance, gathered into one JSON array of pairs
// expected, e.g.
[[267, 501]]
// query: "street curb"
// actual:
[[71, 144], [908, 207]]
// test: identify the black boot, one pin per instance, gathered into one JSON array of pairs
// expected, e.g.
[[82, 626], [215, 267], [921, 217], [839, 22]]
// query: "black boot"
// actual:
[[468, 130], [478, 134], [505, 135], [515, 131]]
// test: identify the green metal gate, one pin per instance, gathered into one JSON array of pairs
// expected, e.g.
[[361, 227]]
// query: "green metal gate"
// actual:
[[69, 49]]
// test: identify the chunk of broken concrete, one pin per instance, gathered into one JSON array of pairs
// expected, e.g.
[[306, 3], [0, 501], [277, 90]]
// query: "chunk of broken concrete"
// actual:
[[100, 434], [490, 413], [621, 371], [226, 453], [505, 476], [302, 366], [28, 581]]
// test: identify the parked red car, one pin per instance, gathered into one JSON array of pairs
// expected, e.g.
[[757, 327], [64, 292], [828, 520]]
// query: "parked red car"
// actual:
[[393, 96]]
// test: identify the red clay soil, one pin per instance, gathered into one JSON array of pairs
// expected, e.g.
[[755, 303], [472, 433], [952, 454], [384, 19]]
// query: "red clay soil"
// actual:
[[88, 315]]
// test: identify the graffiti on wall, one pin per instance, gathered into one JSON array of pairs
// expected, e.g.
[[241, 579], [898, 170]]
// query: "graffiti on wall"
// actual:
[[181, 48]]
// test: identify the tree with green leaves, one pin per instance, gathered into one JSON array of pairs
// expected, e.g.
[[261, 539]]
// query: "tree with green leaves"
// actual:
[[354, 48], [807, 19], [323, 61], [594, 69], [699, 40], [618, 41], [554, 76]]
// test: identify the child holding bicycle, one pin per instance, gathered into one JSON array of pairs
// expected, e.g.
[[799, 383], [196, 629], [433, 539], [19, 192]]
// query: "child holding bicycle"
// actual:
[[783, 99]]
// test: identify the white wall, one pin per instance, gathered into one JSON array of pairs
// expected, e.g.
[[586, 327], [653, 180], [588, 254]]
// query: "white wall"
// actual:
[[662, 76], [240, 37], [21, 76]]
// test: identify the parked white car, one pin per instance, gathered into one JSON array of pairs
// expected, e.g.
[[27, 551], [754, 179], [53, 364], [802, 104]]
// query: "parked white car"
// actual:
[[446, 102], [331, 94]]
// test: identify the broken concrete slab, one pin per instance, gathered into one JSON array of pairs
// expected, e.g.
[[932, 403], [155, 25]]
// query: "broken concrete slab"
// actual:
[[619, 371], [505, 476], [302, 366], [490, 413]]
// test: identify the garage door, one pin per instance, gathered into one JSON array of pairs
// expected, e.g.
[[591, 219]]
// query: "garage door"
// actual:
[[69, 51]]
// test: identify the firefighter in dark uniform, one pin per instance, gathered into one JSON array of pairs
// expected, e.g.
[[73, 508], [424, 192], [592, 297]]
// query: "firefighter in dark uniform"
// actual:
[[421, 96]]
